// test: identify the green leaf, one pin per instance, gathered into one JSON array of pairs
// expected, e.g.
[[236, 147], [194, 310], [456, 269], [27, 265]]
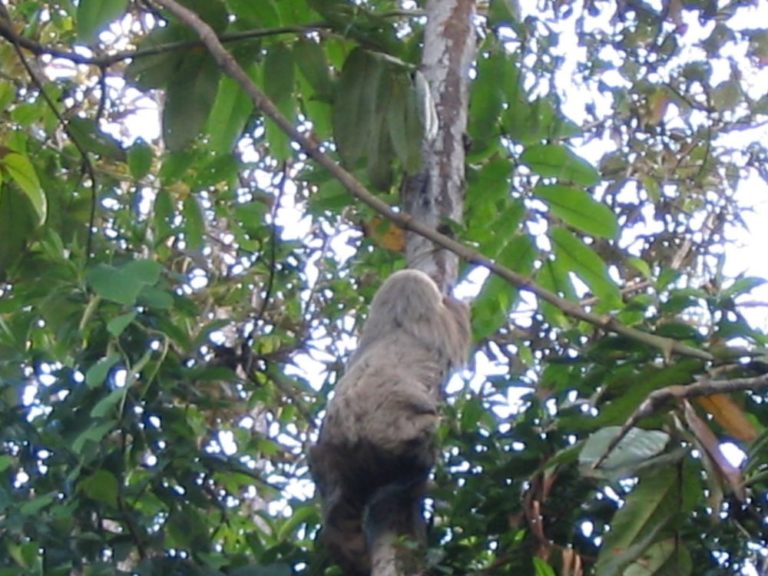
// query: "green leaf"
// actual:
[[34, 506], [163, 215], [354, 109], [92, 139], [640, 265], [490, 310], [212, 12], [580, 259], [743, 286], [106, 406], [189, 99], [579, 209], [143, 271], [278, 84], [542, 568], [636, 525], [313, 65], [22, 172], [139, 159], [261, 14], [156, 298], [194, 223], [637, 446], [553, 276], [557, 161], [101, 486], [109, 283], [94, 434], [97, 374], [405, 126], [116, 326], [231, 111], [5, 462], [94, 15], [153, 72], [487, 98], [669, 557], [18, 222]]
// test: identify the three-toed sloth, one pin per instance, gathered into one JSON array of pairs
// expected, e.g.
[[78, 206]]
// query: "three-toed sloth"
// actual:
[[379, 428]]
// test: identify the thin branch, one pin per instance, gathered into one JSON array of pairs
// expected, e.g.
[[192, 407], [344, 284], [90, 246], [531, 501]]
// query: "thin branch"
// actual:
[[227, 62], [7, 32], [663, 396], [273, 240]]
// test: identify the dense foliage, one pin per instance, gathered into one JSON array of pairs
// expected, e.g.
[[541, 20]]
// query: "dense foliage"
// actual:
[[179, 286]]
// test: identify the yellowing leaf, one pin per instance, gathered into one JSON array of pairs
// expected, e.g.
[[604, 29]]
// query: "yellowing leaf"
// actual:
[[729, 415], [385, 234]]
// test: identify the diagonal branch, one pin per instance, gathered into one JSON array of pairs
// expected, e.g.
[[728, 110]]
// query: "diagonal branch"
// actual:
[[227, 62]]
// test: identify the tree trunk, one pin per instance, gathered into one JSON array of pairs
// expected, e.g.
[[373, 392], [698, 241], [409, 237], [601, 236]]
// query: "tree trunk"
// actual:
[[434, 197]]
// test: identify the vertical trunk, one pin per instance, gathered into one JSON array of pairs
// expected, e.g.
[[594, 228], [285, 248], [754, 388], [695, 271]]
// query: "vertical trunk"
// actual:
[[434, 197]]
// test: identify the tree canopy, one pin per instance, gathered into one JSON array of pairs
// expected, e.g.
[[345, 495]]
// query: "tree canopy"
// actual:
[[185, 263]]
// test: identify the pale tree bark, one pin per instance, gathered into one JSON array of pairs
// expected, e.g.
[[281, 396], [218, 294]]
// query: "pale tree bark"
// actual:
[[434, 197]]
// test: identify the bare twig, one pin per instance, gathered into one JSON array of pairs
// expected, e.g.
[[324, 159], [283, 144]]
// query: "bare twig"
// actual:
[[260, 100], [663, 396]]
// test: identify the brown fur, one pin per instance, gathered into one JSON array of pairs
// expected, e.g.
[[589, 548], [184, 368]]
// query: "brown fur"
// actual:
[[379, 429]]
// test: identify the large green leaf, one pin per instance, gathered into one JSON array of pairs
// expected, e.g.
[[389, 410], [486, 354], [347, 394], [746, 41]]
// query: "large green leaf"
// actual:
[[109, 283], [279, 81], [558, 161], [487, 99], [194, 223], [97, 373], [93, 139], [212, 12], [101, 486], [261, 14], [231, 111], [139, 159], [490, 309], [18, 221], [636, 446], [22, 172], [579, 209], [123, 285], [94, 15], [640, 523], [580, 259], [354, 118], [666, 558], [156, 71], [406, 129], [311, 61], [189, 98]]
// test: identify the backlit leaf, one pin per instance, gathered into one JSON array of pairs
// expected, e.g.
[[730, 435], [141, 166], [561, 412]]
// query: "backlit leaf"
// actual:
[[580, 259], [579, 209], [557, 161]]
